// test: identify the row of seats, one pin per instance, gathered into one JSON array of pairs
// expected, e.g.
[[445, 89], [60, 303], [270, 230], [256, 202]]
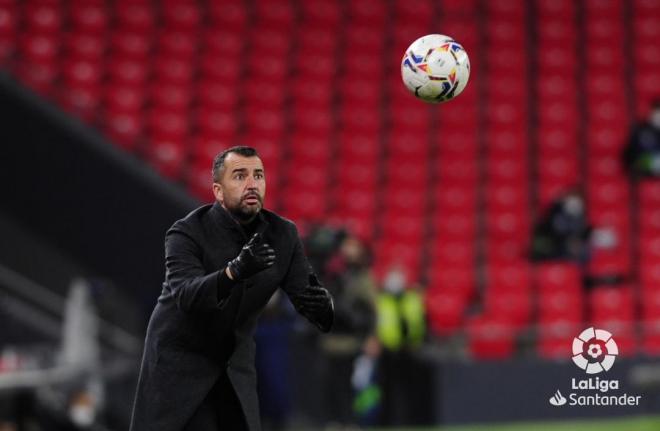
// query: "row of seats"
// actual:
[[562, 160]]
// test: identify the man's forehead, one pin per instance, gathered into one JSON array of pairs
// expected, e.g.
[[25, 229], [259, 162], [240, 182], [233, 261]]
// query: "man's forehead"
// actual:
[[236, 161]]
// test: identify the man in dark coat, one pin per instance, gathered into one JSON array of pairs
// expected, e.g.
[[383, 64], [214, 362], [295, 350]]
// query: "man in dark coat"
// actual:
[[223, 262]]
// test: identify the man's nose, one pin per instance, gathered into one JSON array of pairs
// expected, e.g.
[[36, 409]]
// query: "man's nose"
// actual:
[[251, 183]]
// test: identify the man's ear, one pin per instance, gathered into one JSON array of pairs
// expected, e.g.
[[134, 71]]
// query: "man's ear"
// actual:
[[218, 192]]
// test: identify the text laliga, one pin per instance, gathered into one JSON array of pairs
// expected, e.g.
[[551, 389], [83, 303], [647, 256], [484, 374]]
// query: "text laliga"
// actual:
[[591, 383]]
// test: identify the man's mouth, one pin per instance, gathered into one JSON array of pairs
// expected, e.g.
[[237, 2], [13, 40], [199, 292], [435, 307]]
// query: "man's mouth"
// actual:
[[252, 199]]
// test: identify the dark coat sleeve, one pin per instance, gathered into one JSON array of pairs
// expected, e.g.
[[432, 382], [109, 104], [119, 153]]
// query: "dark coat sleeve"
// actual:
[[190, 285], [299, 277]]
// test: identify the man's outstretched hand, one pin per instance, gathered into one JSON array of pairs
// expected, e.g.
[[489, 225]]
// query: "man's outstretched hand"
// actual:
[[254, 258], [315, 303]]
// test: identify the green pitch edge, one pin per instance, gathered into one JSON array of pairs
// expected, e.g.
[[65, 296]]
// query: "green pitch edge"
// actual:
[[628, 424]]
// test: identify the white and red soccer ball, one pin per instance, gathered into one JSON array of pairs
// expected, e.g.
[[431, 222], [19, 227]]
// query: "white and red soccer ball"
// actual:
[[435, 68]]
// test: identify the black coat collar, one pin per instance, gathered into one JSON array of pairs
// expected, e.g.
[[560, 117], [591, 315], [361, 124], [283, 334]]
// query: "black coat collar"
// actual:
[[227, 221]]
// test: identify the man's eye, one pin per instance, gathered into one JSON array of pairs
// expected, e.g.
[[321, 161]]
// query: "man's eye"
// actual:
[[259, 176], [239, 176]]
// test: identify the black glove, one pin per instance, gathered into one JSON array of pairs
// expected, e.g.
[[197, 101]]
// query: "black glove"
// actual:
[[254, 258], [315, 303]]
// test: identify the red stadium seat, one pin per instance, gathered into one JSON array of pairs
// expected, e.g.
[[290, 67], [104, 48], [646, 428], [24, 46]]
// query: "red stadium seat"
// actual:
[[454, 253], [9, 16], [367, 12], [308, 206], [170, 97], [85, 47], [42, 18], [453, 280], [396, 252], [180, 45], [505, 198], [319, 38], [220, 42], [612, 303], [455, 227], [610, 262], [460, 7], [508, 225], [555, 338], [513, 307], [402, 227], [273, 40], [406, 171], [607, 194], [552, 277], [216, 95], [445, 311], [560, 305], [217, 69], [327, 13], [490, 338], [135, 16], [168, 125], [39, 49], [231, 15], [173, 70], [181, 16], [89, 18], [278, 12], [124, 128], [650, 343], [167, 156], [122, 70], [82, 73], [514, 278], [650, 222], [217, 122], [404, 201], [131, 45]]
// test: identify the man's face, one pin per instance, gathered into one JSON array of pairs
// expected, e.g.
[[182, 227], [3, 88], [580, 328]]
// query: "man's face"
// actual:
[[242, 186]]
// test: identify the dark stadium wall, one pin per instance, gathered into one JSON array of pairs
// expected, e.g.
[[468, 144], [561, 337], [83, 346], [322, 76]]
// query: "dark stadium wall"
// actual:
[[67, 184]]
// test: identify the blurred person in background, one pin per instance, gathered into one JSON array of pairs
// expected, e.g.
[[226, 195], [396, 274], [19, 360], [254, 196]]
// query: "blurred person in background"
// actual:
[[642, 154], [223, 263], [273, 363], [563, 233], [354, 290], [322, 243], [401, 332]]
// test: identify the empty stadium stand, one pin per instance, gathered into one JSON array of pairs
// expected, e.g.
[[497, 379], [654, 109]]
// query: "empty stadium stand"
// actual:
[[451, 192]]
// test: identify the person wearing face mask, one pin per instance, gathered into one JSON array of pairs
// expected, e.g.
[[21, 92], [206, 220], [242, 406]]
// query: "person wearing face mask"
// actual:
[[642, 154], [223, 262], [401, 331], [564, 232]]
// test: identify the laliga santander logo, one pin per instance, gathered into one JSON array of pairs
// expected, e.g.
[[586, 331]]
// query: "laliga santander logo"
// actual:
[[594, 350]]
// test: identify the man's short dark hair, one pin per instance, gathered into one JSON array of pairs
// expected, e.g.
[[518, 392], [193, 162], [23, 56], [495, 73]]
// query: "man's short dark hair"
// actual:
[[219, 161]]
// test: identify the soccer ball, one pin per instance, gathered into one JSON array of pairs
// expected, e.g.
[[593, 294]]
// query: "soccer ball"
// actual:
[[435, 68]]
